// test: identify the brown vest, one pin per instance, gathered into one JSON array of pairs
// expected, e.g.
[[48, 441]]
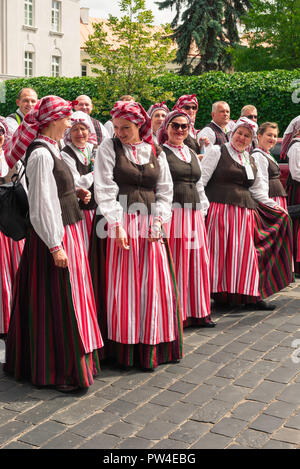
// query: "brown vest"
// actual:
[[193, 144], [275, 186], [70, 210], [137, 182], [83, 169], [221, 137], [229, 183], [185, 176]]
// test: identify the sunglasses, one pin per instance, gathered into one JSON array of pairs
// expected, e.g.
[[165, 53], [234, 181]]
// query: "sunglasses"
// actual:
[[177, 126], [252, 116], [187, 108]]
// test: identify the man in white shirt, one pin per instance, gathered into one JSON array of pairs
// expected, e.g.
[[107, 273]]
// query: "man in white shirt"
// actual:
[[85, 105], [26, 100], [217, 131]]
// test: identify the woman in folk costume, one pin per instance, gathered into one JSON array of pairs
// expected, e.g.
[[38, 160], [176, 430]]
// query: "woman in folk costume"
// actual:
[[157, 113], [291, 149], [267, 137], [78, 154], [10, 250], [189, 104], [249, 234], [133, 188], [187, 235], [53, 336]]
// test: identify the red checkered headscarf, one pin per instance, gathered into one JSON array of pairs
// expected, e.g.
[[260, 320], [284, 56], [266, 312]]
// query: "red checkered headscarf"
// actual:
[[135, 113], [185, 99], [80, 117], [47, 109], [291, 131], [155, 107], [162, 133]]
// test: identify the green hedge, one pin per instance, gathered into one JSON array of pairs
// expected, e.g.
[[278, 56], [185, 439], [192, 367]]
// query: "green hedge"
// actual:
[[270, 91]]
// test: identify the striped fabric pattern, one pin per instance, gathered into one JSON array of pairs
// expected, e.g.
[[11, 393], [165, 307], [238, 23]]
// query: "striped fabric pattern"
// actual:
[[273, 241], [86, 225], [139, 288], [10, 255], [189, 248], [47, 341], [233, 260]]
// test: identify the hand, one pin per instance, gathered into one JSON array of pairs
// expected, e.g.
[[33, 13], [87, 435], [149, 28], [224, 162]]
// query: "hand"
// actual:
[[155, 232], [60, 258], [84, 195], [121, 238]]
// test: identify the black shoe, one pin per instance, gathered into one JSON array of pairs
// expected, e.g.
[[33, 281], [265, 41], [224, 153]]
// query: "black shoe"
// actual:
[[206, 322], [261, 305]]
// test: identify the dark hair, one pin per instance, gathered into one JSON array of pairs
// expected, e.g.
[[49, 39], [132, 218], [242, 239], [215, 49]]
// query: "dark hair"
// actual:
[[263, 127]]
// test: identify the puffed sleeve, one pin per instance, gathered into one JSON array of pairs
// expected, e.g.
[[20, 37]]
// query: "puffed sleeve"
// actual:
[[105, 189], [294, 161], [200, 188], [85, 181], [260, 190], [208, 133], [164, 191], [44, 205], [263, 164], [210, 162]]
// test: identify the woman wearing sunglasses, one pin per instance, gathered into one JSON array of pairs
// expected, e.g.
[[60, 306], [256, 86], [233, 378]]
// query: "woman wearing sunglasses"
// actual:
[[187, 232], [189, 104], [249, 234]]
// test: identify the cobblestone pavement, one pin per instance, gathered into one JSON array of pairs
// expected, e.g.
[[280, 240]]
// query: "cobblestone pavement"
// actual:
[[238, 386]]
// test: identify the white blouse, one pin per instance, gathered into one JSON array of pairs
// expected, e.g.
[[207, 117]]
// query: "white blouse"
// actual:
[[84, 181], [44, 205], [199, 184], [294, 160], [106, 189], [3, 165], [259, 190], [261, 160]]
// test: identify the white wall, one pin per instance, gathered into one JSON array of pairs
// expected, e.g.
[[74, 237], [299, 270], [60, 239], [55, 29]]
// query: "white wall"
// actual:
[[15, 37]]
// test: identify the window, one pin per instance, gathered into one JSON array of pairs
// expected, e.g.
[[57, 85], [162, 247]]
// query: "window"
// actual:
[[83, 71], [55, 16], [55, 66], [28, 12], [28, 64]]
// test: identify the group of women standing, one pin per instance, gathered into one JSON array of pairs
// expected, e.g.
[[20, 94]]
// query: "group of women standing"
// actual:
[[176, 231]]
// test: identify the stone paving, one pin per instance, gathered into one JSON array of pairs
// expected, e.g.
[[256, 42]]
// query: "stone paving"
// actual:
[[238, 386]]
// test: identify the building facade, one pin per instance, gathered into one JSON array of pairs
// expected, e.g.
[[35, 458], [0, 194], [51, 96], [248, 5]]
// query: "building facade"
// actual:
[[39, 38]]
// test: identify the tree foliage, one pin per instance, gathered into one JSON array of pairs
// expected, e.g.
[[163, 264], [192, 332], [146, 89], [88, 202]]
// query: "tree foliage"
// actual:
[[210, 25], [272, 30], [141, 54]]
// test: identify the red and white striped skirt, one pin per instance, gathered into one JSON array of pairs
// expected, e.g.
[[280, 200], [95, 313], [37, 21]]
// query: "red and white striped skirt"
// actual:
[[82, 288], [188, 244], [10, 255], [86, 225], [281, 201], [234, 264], [140, 305]]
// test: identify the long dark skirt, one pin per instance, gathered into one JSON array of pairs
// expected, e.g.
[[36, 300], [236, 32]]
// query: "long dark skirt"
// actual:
[[43, 343], [294, 199]]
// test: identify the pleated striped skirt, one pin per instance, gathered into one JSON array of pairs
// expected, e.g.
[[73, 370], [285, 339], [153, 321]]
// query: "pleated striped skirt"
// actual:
[[53, 336], [250, 251], [142, 322], [188, 244], [10, 255], [86, 225]]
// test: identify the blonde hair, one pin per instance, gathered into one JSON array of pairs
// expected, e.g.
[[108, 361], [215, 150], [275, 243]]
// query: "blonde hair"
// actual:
[[247, 108]]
